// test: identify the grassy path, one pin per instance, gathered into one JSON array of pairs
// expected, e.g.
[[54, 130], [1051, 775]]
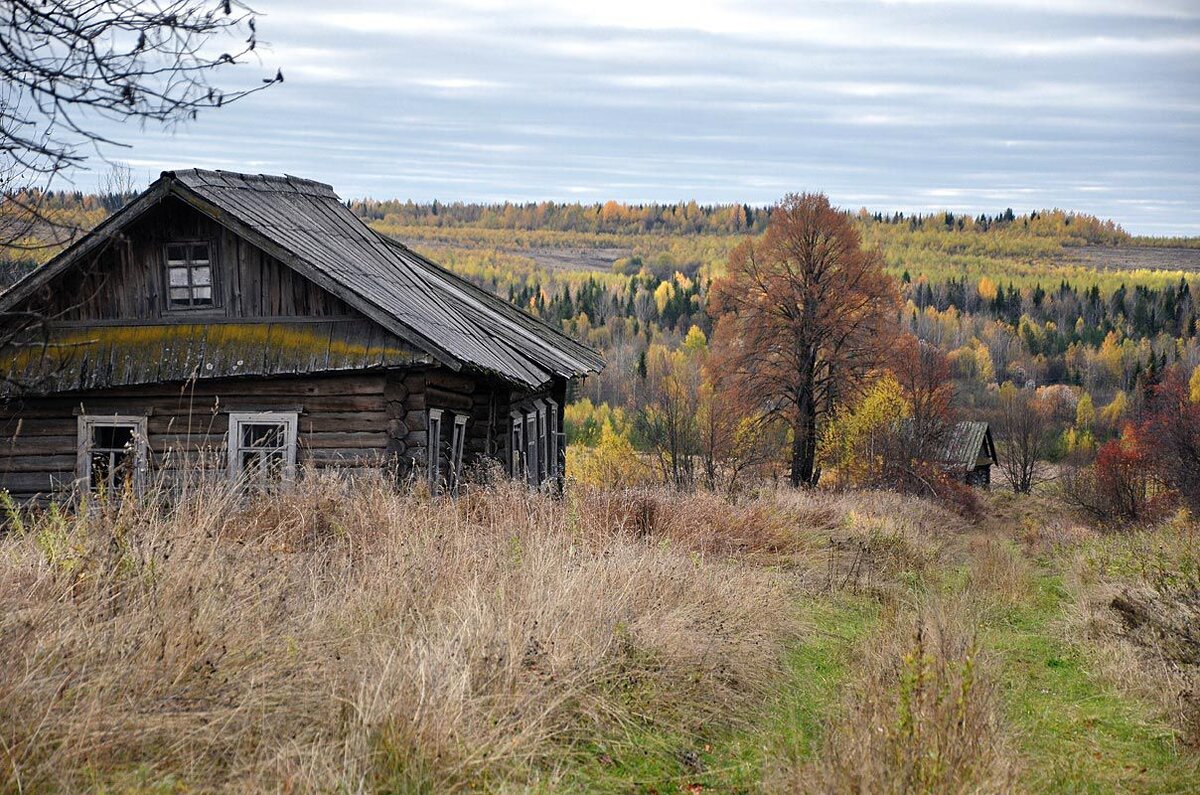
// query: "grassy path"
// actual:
[[1076, 733], [1068, 730], [787, 732]]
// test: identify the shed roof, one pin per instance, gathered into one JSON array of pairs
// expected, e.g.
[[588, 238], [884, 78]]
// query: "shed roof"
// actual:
[[965, 442], [304, 224]]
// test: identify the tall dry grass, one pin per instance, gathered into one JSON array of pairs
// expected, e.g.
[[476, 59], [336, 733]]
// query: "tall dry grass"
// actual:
[[921, 711], [921, 715], [342, 636]]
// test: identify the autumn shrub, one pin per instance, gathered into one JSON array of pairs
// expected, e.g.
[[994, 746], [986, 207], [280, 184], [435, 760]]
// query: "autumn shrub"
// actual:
[[1120, 486], [1173, 426], [343, 636]]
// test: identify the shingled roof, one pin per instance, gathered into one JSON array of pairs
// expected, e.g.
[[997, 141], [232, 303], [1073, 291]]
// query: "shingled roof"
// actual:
[[966, 443], [305, 225]]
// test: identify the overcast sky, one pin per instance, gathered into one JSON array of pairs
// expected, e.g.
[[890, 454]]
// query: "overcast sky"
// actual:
[[916, 105]]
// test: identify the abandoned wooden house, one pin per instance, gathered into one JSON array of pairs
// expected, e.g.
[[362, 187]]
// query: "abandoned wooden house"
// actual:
[[254, 323], [970, 453]]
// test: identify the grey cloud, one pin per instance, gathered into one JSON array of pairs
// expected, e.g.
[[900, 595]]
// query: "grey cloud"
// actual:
[[911, 105]]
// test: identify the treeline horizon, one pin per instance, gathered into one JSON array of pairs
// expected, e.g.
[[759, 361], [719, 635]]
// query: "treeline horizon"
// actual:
[[615, 217], [680, 217]]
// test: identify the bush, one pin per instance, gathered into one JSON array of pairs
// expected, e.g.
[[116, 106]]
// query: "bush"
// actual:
[[1120, 486]]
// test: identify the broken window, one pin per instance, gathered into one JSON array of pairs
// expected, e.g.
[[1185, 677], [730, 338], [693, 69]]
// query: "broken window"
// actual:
[[456, 451], [532, 465], [433, 450], [517, 444], [112, 451], [189, 276], [553, 442], [262, 447], [439, 425]]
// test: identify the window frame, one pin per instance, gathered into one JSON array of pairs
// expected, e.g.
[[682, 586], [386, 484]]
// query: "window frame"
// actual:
[[433, 447], [543, 441], [86, 425], [517, 442], [457, 440], [554, 438], [532, 461], [215, 302], [233, 440]]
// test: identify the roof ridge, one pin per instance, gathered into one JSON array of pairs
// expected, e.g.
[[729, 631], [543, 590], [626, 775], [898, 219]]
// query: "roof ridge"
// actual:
[[220, 176]]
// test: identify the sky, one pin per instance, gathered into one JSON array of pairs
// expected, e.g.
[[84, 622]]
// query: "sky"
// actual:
[[910, 105]]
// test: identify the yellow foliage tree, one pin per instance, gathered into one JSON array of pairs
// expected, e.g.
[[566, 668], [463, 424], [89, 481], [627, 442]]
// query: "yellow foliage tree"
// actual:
[[1085, 413], [696, 342], [987, 289], [613, 463], [1194, 386], [1114, 411], [662, 294], [852, 443]]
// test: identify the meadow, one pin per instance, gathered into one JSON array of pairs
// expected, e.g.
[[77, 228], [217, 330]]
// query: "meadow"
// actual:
[[350, 637]]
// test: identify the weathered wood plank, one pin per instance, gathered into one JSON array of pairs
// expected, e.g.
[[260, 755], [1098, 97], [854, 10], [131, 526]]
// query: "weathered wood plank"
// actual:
[[30, 482], [37, 463]]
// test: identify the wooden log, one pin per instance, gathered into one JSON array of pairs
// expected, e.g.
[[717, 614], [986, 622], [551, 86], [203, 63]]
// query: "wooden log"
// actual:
[[48, 426], [334, 457], [38, 463], [278, 386], [330, 422], [40, 445], [359, 439], [395, 389], [451, 401], [446, 380], [37, 481]]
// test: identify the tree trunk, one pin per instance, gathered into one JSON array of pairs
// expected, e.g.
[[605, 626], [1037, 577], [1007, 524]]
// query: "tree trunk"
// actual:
[[804, 441]]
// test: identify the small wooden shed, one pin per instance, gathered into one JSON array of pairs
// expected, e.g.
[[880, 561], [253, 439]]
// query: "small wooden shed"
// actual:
[[970, 453], [256, 322]]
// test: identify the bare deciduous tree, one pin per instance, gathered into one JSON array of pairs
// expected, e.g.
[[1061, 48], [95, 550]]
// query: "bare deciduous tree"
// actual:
[[1022, 430], [67, 64]]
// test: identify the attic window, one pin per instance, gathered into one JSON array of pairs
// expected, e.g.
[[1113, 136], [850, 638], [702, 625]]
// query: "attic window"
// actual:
[[189, 275]]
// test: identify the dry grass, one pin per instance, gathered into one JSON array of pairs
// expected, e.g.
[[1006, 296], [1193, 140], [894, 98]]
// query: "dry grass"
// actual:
[[871, 541], [343, 637], [922, 714]]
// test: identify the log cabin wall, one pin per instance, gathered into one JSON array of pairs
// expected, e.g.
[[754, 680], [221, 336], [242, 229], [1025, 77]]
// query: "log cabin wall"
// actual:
[[354, 420], [482, 400], [343, 421]]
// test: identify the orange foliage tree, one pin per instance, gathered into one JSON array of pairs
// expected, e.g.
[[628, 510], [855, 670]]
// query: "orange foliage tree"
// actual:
[[803, 315], [923, 373]]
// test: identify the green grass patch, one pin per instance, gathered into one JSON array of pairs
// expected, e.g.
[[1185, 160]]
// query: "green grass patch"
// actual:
[[787, 732], [1076, 733], [791, 727]]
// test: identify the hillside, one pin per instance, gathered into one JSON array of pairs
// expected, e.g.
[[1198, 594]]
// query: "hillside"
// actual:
[[347, 637]]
